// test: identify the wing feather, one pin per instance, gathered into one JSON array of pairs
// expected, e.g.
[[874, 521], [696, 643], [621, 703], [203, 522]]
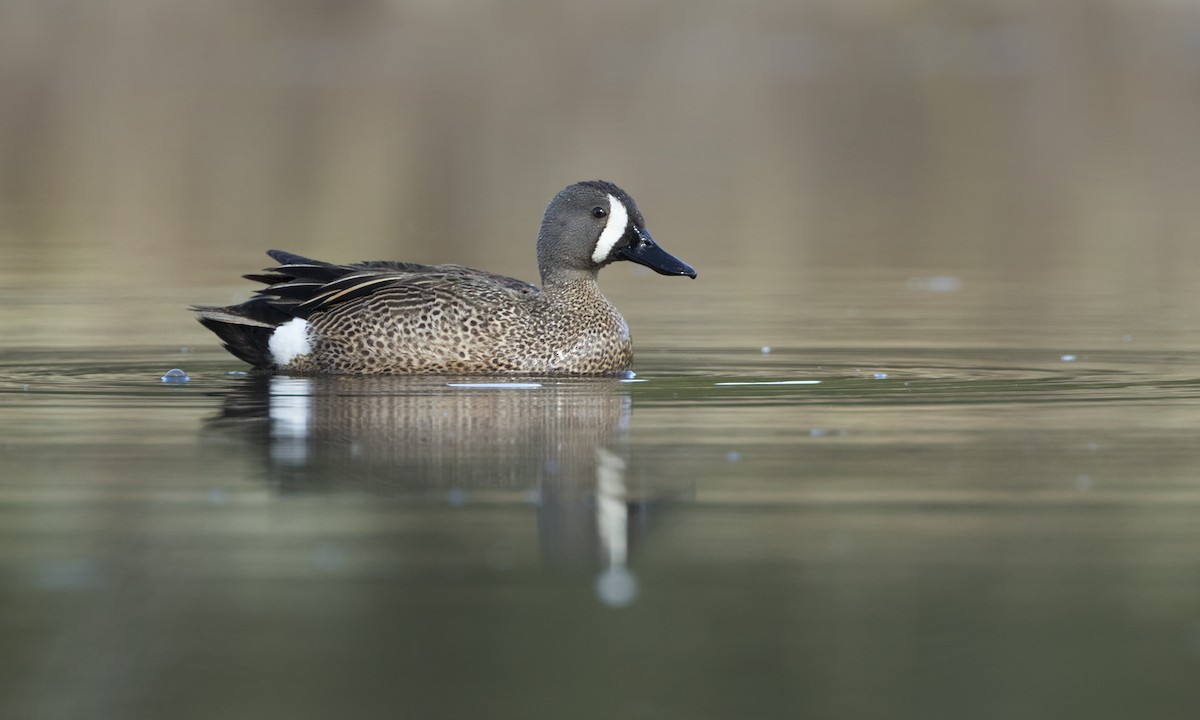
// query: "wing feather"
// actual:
[[300, 286]]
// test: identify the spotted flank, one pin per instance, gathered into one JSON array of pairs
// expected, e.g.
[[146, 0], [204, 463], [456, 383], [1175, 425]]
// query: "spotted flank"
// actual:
[[376, 317]]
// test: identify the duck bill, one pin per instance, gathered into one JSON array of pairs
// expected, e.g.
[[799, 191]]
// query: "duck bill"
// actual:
[[646, 252]]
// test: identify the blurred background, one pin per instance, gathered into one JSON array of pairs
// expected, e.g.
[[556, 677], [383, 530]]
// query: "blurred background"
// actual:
[[170, 143]]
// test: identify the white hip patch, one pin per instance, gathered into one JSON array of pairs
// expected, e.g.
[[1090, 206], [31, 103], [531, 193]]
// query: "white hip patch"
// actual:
[[289, 341], [618, 221]]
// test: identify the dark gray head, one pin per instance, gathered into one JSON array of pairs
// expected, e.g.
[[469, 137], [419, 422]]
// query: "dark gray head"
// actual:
[[591, 224]]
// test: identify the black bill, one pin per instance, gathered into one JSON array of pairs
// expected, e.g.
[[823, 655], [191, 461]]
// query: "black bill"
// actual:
[[644, 251]]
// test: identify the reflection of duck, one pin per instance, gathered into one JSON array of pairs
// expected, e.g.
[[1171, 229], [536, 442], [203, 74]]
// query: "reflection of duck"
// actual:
[[560, 445], [396, 317]]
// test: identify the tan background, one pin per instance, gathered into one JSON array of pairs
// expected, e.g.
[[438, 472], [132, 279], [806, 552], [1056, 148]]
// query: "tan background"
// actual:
[[141, 137]]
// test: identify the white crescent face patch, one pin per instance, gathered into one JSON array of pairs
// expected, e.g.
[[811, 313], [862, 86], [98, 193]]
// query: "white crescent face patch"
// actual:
[[618, 221]]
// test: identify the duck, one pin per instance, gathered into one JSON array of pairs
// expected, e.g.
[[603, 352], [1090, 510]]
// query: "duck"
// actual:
[[383, 317]]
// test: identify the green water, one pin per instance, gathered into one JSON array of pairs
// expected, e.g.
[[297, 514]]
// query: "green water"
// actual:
[[852, 497]]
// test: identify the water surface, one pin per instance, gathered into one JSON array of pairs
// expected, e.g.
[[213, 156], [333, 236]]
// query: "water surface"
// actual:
[[852, 499], [919, 442]]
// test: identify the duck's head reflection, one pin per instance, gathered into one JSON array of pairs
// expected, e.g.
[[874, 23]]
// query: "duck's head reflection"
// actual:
[[559, 445]]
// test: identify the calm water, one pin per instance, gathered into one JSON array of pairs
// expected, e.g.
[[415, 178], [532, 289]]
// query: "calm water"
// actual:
[[844, 495]]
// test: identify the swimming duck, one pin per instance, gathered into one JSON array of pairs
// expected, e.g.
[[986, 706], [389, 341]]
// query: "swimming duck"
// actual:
[[390, 317]]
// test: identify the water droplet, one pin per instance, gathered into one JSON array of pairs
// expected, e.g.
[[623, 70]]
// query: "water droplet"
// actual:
[[1068, 358], [175, 375], [766, 350], [616, 587], [733, 456], [880, 376]]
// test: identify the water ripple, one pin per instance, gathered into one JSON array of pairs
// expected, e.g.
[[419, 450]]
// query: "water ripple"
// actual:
[[719, 375]]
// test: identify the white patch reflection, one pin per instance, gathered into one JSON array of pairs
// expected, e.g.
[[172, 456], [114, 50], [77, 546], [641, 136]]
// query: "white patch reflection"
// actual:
[[291, 418], [616, 586]]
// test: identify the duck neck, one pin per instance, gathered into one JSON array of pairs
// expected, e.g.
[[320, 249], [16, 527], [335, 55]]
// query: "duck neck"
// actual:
[[563, 278]]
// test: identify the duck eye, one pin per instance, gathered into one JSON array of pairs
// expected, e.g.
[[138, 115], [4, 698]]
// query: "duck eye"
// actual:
[[599, 212]]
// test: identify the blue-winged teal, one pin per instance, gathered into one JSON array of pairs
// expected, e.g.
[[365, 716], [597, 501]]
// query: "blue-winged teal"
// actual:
[[397, 317]]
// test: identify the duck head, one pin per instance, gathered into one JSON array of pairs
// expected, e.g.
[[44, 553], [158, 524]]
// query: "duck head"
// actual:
[[594, 223]]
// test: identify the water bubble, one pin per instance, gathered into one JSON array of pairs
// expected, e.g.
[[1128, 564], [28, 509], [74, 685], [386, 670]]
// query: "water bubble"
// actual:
[[880, 376], [1068, 358], [175, 375], [733, 456], [616, 587], [766, 350]]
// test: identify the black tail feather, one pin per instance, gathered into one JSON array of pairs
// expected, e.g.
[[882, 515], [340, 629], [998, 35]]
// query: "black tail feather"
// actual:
[[283, 257], [292, 289], [245, 329]]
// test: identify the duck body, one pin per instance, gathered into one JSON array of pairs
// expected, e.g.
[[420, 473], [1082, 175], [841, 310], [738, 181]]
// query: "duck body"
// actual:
[[383, 317], [451, 319]]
